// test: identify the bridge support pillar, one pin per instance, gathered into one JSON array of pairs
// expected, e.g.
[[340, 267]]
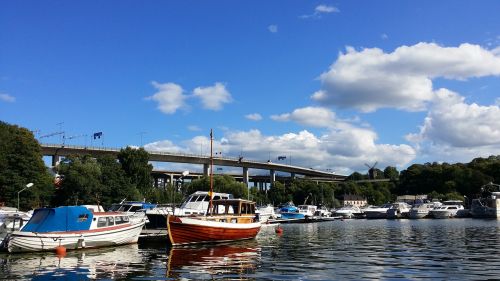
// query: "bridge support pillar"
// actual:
[[172, 180], [205, 169], [292, 176], [55, 159], [272, 177], [245, 175]]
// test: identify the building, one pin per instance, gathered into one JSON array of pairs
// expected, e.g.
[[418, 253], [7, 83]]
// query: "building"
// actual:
[[354, 200]]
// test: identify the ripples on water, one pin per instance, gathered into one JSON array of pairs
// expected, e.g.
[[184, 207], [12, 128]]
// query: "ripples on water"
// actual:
[[356, 249]]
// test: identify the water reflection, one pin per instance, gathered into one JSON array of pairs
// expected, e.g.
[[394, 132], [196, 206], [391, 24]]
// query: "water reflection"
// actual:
[[78, 265], [225, 261]]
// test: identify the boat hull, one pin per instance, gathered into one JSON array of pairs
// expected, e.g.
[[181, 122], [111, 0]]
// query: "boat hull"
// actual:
[[184, 230], [20, 241]]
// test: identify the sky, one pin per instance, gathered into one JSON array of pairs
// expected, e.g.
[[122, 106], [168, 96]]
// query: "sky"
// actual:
[[331, 85]]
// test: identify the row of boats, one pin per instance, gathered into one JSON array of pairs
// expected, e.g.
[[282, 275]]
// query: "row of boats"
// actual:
[[201, 218], [204, 217]]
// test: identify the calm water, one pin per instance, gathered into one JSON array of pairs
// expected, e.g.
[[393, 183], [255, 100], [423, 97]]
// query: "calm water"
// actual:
[[354, 249]]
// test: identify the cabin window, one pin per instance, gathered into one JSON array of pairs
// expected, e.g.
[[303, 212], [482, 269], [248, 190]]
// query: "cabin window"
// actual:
[[234, 221], [216, 197], [111, 221], [244, 209], [125, 219], [135, 208], [200, 198], [118, 220], [205, 199], [83, 217], [101, 222]]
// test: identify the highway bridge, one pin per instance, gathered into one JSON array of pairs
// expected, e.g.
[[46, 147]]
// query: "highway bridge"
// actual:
[[58, 150]]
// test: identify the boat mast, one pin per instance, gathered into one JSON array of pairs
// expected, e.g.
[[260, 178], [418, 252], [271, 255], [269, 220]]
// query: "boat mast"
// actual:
[[211, 172]]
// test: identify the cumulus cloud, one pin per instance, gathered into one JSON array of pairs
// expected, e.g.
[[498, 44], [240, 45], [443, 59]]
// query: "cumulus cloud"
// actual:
[[454, 123], [320, 10], [169, 97], [213, 97], [309, 116], [7, 98], [342, 151], [272, 28], [371, 79], [253, 117]]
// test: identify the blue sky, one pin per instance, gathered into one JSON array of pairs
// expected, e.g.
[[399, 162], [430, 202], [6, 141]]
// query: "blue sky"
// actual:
[[329, 84]]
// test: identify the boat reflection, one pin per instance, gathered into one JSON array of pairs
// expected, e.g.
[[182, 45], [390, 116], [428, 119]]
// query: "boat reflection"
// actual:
[[234, 261], [105, 263]]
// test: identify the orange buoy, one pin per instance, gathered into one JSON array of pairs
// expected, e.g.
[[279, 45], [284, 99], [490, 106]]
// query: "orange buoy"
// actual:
[[279, 230], [60, 250]]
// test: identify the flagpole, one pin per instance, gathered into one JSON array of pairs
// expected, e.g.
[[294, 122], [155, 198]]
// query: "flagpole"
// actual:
[[211, 171]]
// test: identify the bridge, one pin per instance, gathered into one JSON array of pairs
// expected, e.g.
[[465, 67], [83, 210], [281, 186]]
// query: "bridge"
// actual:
[[58, 150]]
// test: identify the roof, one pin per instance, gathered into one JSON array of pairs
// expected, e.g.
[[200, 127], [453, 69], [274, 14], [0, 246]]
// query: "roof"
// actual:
[[66, 218]]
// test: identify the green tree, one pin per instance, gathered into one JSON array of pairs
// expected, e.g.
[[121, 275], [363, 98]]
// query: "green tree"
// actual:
[[21, 163], [222, 183], [391, 173], [137, 168], [115, 184], [82, 181]]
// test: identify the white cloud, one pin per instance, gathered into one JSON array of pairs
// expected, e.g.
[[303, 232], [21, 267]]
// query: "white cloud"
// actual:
[[213, 97], [371, 79], [343, 151], [272, 28], [319, 10], [253, 117], [7, 97], [309, 116], [454, 123], [169, 97], [326, 9]]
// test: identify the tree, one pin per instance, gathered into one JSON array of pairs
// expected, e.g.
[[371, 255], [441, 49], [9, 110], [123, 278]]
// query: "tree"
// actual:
[[135, 164], [82, 181], [115, 184], [391, 173], [222, 183], [21, 163]]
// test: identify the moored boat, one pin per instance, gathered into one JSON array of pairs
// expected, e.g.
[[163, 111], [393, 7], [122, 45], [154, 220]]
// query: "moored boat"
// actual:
[[422, 210], [488, 205], [228, 220], [398, 210], [348, 212], [377, 212], [449, 209], [73, 227]]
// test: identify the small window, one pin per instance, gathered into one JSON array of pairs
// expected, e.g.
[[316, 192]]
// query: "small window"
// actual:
[[135, 208], [118, 220], [111, 221], [101, 222], [216, 197], [125, 219]]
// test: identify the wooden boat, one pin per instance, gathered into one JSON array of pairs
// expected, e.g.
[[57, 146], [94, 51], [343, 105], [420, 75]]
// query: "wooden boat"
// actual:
[[229, 220], [225, 220], [73, 227]]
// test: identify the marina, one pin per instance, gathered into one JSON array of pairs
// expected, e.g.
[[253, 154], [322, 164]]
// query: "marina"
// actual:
[[336, 250]]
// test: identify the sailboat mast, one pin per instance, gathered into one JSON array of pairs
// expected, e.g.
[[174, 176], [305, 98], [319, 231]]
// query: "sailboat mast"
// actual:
[[211, 172]]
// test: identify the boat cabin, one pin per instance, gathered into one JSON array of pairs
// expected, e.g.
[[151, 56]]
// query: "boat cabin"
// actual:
[[232, 210]]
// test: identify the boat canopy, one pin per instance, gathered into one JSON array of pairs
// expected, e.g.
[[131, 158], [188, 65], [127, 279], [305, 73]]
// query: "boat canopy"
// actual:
[[66, 218]]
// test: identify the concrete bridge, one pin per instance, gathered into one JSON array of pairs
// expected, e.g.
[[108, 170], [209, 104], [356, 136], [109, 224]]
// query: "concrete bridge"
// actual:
[[57, 150]]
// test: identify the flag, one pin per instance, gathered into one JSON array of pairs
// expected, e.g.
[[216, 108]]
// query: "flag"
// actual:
[[97, 135]]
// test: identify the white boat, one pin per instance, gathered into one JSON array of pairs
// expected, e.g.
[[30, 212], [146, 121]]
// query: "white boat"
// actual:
[[449, 209], [322, 212], [307, 210], [422, 210], [377, 212], [73, 227], [194, 205], [398, 210], [348, 212], [266, 213], [136, 210], [488, 205]]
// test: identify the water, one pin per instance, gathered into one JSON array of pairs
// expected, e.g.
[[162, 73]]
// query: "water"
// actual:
[[338, 250]]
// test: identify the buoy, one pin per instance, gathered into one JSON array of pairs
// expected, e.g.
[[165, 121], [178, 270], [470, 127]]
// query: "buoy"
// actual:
[[60, 250], [279, 230]]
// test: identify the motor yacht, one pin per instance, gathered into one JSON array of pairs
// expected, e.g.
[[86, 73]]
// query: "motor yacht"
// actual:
[[377, 212], [348, 212], [398, 210], [422, 210], [449, 209]]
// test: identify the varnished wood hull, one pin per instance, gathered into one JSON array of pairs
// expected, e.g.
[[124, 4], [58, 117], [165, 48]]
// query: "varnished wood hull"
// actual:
[[184, 231]]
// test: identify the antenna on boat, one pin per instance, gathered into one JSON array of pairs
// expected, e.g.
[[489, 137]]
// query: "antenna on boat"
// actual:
[[211, 172]]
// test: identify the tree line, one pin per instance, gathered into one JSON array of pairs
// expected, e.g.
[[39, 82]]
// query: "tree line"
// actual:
[[106, 180]]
